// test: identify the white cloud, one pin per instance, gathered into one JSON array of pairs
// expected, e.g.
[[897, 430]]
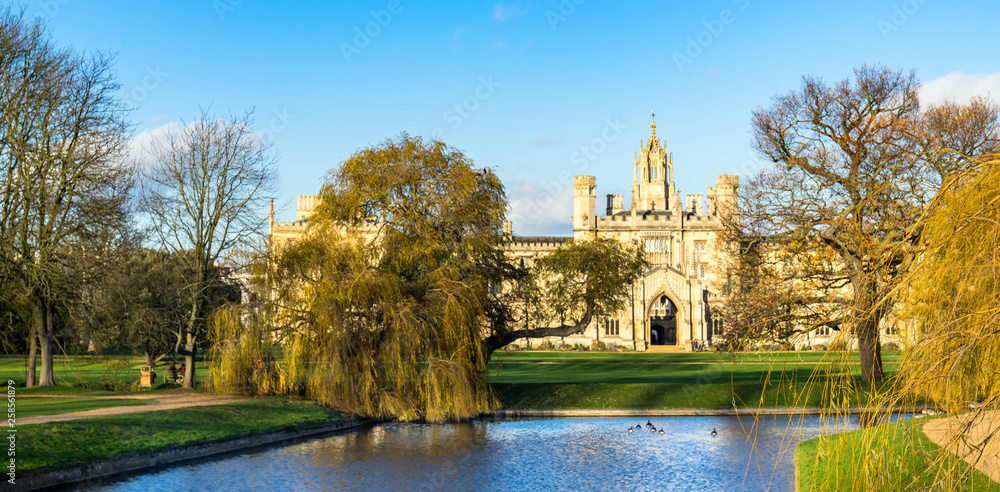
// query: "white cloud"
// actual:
[[142, 143], [540, 209], [504, 12], [960, 87]]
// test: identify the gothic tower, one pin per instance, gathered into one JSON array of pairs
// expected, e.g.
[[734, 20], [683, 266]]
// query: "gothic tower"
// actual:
[[653, 175]]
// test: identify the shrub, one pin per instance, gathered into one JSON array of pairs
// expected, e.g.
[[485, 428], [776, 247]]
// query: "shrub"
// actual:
[[598, 346], [546, 345], [820, 346]]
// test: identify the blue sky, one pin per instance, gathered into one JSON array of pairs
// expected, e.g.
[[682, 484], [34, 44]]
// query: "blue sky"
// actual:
[[538, 90]]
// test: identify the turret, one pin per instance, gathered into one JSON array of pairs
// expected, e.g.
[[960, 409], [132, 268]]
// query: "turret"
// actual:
[[584, 202], [307, 203], [723, 197]]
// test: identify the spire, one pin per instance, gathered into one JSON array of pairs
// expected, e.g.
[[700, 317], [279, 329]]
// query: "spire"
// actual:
[[652, 127]]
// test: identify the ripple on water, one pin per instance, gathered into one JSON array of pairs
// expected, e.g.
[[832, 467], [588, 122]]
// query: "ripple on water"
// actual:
[[554, 454]]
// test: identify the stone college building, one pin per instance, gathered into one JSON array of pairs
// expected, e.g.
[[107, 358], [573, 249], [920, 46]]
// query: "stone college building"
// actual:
[[670, 308]]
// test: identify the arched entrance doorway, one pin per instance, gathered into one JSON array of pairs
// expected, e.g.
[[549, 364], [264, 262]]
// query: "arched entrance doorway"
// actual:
[[663, 322]]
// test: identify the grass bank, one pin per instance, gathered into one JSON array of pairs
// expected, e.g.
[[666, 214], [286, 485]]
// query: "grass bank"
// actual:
[[896, 456], [61, 444], [647, 396], [640, 381]]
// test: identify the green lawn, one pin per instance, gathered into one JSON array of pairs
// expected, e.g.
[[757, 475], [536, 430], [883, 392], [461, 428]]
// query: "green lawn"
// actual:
[[602, 380], [60, 444], [701, 368], [896, 456], [685, 357], [31, 407]]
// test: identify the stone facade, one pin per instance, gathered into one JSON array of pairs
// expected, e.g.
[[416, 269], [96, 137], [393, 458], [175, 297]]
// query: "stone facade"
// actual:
[[672, 302]]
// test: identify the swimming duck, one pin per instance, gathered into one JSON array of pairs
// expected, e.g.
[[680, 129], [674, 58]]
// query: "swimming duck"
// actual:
[[714, 433], [630, 429], [661, 431], [652, 429], [648, 424]]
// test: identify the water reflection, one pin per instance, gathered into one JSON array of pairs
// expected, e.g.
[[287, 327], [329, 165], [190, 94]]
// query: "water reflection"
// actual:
[[559, 454]]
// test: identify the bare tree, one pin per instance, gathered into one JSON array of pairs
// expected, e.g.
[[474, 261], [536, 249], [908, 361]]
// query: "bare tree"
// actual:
[[205, 195], [857, 164], [62, 140]]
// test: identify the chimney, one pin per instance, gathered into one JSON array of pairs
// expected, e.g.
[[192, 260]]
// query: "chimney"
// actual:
[[614, 204]]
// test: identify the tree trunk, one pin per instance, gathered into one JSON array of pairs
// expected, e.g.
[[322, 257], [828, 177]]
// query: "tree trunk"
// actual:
[[150, 359], [870, 349], [43, 319], [190, 340], [30, 377], [189, 352], [868, 312]]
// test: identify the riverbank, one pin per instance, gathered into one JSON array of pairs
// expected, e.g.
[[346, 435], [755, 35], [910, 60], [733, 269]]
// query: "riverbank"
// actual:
[[692, 412], [70, 451], [895, 456]]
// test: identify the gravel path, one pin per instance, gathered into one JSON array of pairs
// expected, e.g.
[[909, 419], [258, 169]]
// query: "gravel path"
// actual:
[[156, 402], [974, 437]]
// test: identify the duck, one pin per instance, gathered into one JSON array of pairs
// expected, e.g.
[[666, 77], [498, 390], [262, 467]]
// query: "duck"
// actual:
[[630, 429], [714, 432], [652, 429], [661, 431], [648, 424]]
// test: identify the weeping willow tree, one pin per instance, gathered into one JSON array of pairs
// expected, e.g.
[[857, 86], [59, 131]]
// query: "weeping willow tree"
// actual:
[[954, 300], [395, 281], [393, 301]]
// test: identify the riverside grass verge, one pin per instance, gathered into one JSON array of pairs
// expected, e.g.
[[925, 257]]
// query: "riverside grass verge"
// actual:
[[641, 381], [56, 445], [907, 460]]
